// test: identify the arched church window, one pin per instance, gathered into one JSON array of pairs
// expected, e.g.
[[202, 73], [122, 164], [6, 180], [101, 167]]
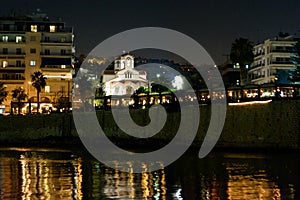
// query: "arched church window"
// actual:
[[129, 90], [128, 62], [118, 65], [117, 89]]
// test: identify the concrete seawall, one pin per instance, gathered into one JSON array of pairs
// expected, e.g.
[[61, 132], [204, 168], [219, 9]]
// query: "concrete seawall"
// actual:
[[273, 125]]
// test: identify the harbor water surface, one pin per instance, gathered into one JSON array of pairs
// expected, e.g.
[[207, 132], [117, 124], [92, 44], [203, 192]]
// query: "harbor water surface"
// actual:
[[37, 173]]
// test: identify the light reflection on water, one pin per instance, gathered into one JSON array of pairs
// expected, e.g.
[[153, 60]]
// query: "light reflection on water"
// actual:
[[55, 174]]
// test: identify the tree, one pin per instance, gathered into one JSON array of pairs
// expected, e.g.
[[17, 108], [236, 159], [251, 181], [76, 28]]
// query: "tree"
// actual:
[[3, 92], [158, 88], [62, 103], [100, 92], [19, 94], [241, 52], [38, 82], [141, 90]]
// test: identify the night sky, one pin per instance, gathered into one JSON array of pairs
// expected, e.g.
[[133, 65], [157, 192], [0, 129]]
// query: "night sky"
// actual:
[[213, 23]]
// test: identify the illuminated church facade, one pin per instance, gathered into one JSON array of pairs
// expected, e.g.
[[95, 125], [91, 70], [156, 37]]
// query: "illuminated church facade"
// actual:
[[124, 79]]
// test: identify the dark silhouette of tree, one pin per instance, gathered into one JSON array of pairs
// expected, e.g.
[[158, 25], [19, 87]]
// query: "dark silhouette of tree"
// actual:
[[78, 61], [38, 82], [100, 92], [19, 95], [241, 52], [141, 90], [3, 92], [62, 103], [158, 88]]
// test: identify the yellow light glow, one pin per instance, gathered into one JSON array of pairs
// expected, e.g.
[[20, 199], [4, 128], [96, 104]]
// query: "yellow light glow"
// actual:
[[249, 103], [33, 28]]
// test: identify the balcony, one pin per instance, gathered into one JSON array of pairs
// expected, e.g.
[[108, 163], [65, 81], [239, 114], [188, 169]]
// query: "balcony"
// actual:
[[11, 78], [259, 53], [63, 30], [281, 63], [13, 67], [55, 54], [56, 42], [257, 65], [283, 51], [256, 76], [13, 41], [8, 55]]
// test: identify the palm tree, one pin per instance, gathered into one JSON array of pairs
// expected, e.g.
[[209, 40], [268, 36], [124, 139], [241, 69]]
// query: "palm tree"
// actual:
[[3, 92], [241, 52], [19, 94], [38, 82]]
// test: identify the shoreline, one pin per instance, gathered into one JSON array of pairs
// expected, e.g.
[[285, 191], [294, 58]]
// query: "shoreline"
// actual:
[[269, 126], [75, 144]]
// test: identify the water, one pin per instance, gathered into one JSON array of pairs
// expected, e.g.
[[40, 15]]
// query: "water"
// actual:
[[64, 174]]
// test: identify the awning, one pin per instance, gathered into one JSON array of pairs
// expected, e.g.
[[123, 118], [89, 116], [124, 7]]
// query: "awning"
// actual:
[[56, 61]]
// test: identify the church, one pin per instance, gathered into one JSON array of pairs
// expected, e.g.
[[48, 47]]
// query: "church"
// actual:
[[124, 79]]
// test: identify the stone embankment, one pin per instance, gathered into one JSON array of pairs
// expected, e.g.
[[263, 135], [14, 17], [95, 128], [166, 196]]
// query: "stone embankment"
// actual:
[[273, 125]]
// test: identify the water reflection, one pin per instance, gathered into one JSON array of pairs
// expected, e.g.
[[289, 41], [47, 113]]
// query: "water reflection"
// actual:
[[49, 174], [117, 184], [40, 175]]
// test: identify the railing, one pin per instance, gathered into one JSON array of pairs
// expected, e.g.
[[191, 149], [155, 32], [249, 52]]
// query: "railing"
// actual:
[[13, 41], [14, 66], [12, 78], [257, 65], [283, 51], [12, 32], [12, 54], [56, 41], [257, 76], [282, 62], [259, 53], [55, 54]]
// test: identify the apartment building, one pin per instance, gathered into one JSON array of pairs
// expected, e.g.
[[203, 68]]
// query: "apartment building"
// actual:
[[271, 56], [36, 43]]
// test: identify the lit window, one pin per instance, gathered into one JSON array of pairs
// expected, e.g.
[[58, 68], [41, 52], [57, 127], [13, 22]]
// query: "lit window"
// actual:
[[33, 28], [5, 38], [32, 63], [4, 63], [63, 39], [63, 66], [18, 39], [47, 88], [236, 66], [52, 28]]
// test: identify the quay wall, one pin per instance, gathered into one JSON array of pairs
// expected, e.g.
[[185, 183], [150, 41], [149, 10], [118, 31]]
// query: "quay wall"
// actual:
[[273, 125]]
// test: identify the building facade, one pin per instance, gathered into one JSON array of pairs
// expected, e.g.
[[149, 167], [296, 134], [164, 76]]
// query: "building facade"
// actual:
[[124, 79], [269, 57], [35, 43]]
